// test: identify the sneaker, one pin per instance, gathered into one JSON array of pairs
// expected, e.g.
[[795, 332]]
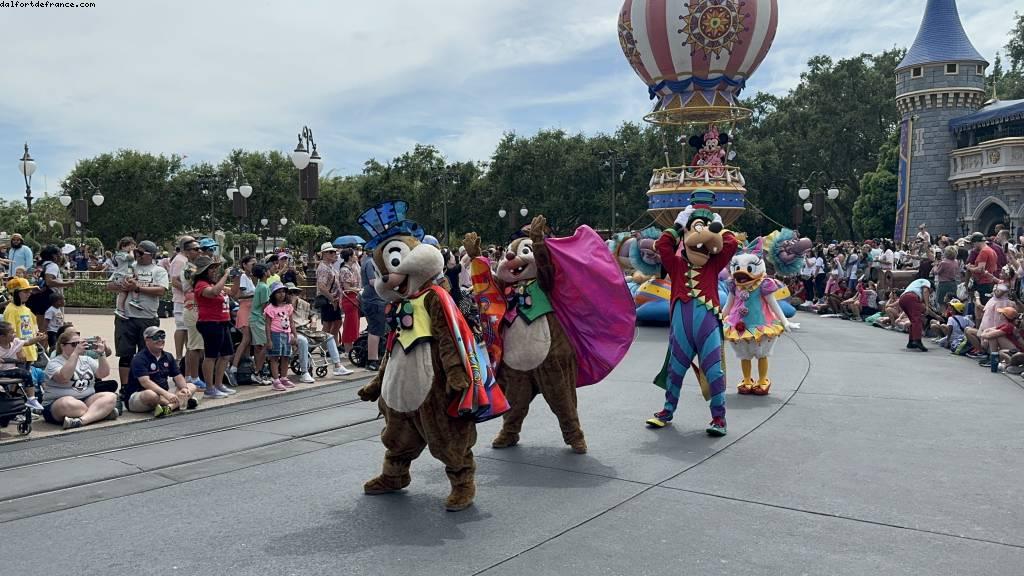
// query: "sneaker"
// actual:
[[373, 365], [1016, 369], [70, 422], [192, 403], [716, 427], [340, 370], [660, 419], [161, 411], [975, 355], [135, 304], [279, 386], [226, 390], [230, 374], [306, 378], [200, 385], [34, 404], [212, 392], [119, 406], [120, 314], [287, 383], [113, 414]]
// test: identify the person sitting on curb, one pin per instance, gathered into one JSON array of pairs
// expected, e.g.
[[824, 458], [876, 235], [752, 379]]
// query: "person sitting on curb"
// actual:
[[70, 398], [148, 389]]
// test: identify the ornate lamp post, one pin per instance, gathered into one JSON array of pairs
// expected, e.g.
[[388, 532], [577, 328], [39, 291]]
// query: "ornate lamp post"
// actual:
[[27, 166], [239, 195], [817, 204], [263, 232], [511, 215], [81, 210], [308, 162]]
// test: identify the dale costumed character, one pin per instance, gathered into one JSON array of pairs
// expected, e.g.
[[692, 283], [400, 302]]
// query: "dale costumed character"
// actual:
[[753, 317], [432, 367], [693, 252], [538, 315]]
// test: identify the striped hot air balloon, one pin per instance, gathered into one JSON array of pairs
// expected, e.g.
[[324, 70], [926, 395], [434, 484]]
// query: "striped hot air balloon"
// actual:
[[696, 53]]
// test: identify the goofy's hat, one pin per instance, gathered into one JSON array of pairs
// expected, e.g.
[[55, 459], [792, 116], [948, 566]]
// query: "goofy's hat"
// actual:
[[387, 220], [699, 208]]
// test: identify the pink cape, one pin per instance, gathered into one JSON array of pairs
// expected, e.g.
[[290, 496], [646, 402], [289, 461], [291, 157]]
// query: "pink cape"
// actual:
[[592, 303]]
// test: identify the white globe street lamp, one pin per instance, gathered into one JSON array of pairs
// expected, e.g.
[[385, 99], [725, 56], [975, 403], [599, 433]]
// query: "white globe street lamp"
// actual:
[[98, 198], [245, 190], [502, 213], [804, 193], [808, 206], [231, 192], [284, 221], [300, 156], [65, 199], [523, 211], [264, 221], [833, 192]]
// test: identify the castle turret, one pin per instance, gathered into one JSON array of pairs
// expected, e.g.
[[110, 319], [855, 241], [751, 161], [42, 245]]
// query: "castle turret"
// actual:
[[941, 77]]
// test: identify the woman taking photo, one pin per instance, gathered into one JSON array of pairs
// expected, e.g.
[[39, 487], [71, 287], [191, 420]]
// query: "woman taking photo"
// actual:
[[350, 288], [242, 290], [213, 324], [71, 399]]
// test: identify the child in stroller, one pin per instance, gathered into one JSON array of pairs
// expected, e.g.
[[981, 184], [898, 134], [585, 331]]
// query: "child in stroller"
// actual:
[[13, 403]]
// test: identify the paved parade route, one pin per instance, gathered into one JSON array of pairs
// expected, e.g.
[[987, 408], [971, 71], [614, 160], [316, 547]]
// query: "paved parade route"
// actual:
[[865, 459]]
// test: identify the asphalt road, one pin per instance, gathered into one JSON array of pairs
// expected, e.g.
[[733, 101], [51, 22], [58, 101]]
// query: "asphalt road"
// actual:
[[866, 459]]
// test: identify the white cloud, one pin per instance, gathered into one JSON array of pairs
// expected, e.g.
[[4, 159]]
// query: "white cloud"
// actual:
[[372, 78]]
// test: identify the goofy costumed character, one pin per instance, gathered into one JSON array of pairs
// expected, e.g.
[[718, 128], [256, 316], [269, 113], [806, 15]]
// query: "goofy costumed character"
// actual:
[[753, 316], [693, 252]]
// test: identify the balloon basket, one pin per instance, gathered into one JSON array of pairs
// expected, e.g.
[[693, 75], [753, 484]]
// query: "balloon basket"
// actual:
[[694, 116]]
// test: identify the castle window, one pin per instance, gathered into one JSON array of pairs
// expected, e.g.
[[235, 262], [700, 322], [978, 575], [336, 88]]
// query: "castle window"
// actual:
[[981, 69], [951, 68], [915, 72]]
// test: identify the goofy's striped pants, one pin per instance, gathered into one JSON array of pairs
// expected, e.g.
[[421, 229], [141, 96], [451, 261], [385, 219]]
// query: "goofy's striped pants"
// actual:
[[695, 332]]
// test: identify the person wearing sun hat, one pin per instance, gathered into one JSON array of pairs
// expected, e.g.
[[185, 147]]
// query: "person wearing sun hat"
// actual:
[[212, 322], [328, 290], [18, 315], [280, 335]]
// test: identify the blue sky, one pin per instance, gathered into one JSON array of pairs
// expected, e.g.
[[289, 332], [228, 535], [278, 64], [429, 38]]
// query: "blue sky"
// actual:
[[371, 79]]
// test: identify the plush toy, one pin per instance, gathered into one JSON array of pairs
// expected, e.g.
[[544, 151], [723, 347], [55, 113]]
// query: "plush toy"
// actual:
[[430, 366], [753, 317], [543, 331], [711, 154], [693, 252]]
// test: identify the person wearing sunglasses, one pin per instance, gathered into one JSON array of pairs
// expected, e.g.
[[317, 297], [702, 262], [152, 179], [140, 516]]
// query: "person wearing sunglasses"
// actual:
[[153, 369], [70, 398]]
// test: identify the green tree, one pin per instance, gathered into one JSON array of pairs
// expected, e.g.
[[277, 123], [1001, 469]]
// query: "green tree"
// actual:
[[874, 212]]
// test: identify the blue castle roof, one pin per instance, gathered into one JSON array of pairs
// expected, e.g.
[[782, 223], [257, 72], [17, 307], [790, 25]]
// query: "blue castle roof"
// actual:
[[941, 38]]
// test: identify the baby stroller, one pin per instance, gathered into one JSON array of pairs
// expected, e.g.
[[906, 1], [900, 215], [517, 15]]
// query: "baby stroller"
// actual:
[[12, 404], [318, 358], [358, 353]]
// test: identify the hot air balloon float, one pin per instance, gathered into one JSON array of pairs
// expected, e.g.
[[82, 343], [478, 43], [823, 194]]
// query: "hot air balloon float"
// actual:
[[695, 56]]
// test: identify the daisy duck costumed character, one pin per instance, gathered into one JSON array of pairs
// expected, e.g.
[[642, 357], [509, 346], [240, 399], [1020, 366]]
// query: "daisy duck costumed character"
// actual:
[[693, 252], [753, 317], [431, 366], [537, 310]]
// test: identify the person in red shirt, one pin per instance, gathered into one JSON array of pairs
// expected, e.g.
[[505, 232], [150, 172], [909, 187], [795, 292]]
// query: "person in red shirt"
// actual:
[[213, 324], [984, 268]]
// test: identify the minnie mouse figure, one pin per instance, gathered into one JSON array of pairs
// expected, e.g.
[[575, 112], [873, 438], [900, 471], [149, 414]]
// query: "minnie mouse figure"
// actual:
[[710, 156]]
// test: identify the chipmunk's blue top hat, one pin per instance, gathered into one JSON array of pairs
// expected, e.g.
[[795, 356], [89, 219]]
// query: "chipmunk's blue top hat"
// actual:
[[387, 220]]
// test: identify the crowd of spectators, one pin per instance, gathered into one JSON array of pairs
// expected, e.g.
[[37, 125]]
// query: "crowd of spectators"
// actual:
[[224, 320], [964, 294]]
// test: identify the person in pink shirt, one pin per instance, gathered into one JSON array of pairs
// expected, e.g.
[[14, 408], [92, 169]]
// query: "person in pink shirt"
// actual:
[[280, 335]]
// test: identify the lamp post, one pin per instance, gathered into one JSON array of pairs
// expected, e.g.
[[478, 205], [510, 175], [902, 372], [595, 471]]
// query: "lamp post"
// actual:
[[446, 176], [81, 210], [308, 162], [815, 201], [27, 166], [263, 232], [239, 195], [611, 160], [511, 215]]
